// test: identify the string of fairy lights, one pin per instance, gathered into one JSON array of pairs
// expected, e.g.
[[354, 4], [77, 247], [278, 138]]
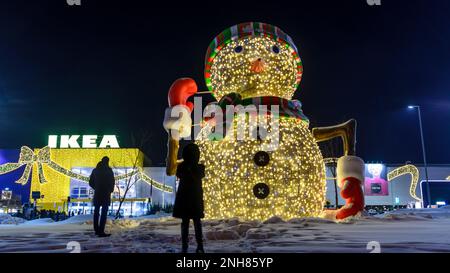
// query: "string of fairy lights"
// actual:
[[295, 175], [407, 169], [42, 157]]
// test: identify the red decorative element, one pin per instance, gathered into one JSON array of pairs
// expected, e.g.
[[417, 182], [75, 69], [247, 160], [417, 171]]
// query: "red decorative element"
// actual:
[[354, 198], [180, 91]]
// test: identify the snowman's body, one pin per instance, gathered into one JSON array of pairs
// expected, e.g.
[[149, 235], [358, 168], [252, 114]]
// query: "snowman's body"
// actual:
[[291, 183]]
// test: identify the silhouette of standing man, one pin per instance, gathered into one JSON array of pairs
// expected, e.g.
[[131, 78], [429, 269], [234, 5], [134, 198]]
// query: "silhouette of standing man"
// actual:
[[102, 181]]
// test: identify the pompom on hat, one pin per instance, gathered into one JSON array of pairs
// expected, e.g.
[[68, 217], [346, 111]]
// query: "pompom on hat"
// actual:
[[244, 30]]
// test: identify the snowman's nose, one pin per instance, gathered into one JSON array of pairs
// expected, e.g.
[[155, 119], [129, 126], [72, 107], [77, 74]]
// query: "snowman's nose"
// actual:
[[257, 66]]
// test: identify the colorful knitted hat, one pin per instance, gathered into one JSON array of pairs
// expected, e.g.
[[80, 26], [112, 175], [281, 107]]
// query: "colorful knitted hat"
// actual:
[[244, 30]]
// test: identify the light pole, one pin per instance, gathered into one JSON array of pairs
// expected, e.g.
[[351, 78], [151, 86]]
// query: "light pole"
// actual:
[[423, 151]]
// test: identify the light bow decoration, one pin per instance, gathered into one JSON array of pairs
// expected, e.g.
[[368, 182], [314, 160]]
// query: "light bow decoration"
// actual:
[[29, 158], [407, 169]]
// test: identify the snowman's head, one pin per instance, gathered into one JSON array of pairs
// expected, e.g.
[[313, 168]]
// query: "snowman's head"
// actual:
[[253, 59]]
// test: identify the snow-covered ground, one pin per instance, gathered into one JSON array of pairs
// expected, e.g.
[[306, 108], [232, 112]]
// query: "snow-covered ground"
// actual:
[[426, 230]]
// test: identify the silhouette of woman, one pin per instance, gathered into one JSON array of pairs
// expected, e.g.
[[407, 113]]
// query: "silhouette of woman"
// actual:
[[189, 197]]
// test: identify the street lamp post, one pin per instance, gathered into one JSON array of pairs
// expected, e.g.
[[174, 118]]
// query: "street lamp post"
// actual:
[[423, 151]]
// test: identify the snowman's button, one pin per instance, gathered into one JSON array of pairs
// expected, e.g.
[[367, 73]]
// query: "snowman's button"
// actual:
[[261, 190], [261, 158]]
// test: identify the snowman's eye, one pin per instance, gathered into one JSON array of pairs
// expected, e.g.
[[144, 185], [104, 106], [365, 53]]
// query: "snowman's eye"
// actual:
[[275, 49], [238, 49]]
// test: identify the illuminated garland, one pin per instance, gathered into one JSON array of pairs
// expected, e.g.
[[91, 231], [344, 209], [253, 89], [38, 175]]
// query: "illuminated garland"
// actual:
[[407, 169], [329, 160], [29, 158]]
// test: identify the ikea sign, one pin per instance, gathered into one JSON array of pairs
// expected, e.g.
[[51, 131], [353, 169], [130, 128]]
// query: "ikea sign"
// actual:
[[82, 141]]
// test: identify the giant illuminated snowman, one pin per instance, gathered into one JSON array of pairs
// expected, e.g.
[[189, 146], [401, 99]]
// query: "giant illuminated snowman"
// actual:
[[255, 178]]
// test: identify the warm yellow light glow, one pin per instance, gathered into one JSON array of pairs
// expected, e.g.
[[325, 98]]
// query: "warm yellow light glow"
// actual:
[[448, 177], [407, 169], [58, 171], [57, 188], [231, 71], [295, 175]]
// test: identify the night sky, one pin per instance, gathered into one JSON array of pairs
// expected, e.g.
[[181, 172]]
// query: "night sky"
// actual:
[[105, 67]]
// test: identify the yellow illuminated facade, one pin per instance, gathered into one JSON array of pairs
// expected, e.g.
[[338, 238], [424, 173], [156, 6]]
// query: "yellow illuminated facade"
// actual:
[[56, 189]]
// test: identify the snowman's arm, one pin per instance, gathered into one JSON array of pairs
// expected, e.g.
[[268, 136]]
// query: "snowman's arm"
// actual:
[[346, 130], [177, 122], [172, 161], [177, 119]]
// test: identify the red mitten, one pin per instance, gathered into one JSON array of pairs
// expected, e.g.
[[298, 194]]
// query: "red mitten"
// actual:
[[180, 91]]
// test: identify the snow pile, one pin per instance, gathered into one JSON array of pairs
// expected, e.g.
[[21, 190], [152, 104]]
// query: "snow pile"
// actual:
[[229, 229], [136, 221], [123, 223], [78, 219], [317, 220], [36, 222], [274, 220], [6, 219], [235, 229], [416, 214], [87, 219]]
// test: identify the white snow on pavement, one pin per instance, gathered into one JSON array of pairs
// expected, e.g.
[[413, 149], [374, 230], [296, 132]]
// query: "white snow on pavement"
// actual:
[[420, 230]]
